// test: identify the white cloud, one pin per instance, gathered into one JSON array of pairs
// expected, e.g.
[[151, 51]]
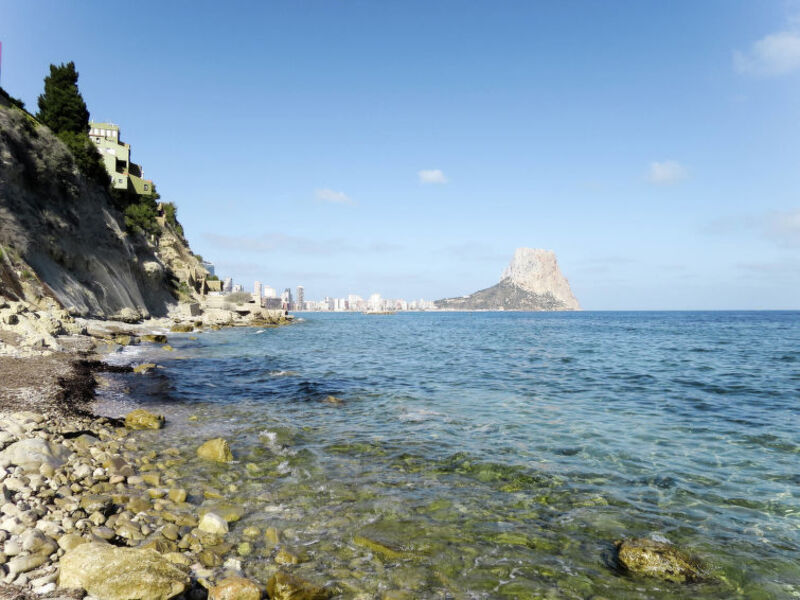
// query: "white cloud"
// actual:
[[775, 54], [666, 172], [333, 197], [432, 176]]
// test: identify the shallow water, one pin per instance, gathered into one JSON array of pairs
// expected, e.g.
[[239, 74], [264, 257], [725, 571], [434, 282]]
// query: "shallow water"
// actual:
[[499, 455]]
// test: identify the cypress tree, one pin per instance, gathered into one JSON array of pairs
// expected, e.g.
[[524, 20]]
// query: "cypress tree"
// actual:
[[61, 107]]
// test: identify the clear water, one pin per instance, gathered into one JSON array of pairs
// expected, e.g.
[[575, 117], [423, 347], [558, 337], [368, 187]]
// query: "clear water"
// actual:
[[500, 455]]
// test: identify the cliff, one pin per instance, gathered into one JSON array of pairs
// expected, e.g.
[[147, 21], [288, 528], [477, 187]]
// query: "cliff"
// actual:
[[63, 241], [532, 281]]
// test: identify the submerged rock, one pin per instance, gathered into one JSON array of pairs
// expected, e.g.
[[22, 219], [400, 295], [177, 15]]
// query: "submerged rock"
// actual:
[[211, 523], [142, 419], [182, 328], [235, 588], [144, 368], [112, 573], [283, 586], [658, 559], [217, 450]]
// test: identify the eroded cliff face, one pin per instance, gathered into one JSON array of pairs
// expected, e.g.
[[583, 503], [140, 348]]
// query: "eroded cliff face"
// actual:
[[63, 241], [531, 281]]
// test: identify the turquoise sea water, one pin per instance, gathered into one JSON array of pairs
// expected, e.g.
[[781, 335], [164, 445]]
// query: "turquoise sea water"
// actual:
[[500, 455]]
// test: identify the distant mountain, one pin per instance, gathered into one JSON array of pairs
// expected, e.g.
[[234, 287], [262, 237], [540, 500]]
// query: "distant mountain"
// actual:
[[531, 281]]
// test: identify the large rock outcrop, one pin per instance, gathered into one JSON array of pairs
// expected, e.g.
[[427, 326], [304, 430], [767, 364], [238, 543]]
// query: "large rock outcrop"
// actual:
[[63, 239], [532, 281]]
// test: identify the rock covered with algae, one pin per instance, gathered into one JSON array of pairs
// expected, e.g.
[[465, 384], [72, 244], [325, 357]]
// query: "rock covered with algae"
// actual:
[[283, 586], [217, 450], [142, 419], [658, 559]]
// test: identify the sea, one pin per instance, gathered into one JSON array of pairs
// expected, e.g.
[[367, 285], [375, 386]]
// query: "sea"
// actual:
[[495, 454]]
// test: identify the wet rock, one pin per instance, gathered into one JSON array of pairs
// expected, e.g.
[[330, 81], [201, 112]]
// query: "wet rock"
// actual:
[[272, 536], [32, 453], [112, 573], [235, 588], [144, 368], [126, 340], [182, 328], [142, 419], [213, 523], [283, 586], [177, 495], [285, 557], [217, 450], [377, 547], [657, 559], [155, 338]]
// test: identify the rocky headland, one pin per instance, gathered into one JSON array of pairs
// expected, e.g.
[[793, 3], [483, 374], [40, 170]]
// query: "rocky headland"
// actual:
[[532, 281]]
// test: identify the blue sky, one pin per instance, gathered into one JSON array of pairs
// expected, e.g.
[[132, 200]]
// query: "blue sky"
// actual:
[[408, 148]]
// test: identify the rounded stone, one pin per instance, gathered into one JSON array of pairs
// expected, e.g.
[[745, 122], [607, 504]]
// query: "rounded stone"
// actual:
[[235, 588], [217, 450]]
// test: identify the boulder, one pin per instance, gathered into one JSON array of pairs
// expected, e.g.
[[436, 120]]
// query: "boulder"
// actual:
[[112, 573], [235, 588], [142, 419], [144, 368], [657, 559], [32, 453], [182, 328], [283, 586], [217, 450]]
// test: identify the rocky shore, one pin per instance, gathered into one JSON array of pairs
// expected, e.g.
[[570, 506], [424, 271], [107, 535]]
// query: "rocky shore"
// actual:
[[85, 509]]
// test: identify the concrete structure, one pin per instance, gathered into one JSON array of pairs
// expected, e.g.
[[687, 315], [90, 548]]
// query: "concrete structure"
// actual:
[[286, 299], [269, 292], [301, 298], [238, 287], [257, 291], [227, 285], [125, 175]]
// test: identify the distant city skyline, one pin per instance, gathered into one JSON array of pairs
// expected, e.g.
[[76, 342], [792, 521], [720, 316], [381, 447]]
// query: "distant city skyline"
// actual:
[[376, 146]]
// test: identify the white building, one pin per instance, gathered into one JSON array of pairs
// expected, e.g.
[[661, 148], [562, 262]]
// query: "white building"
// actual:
[[269, 292], [257, 291]]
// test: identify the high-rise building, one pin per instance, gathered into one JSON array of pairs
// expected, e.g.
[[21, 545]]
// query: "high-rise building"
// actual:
[[286, 299], [227, 285], [301, 297], [257, 291], [237, 287], [269, 292]]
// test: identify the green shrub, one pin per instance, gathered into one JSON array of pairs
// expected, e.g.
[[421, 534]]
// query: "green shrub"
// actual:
[[171, 216], [86, 156], [26, 275], [141, 217], [212, 278]]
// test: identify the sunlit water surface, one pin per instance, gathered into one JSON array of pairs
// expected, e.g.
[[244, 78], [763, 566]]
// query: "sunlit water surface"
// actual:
[[498, 455]]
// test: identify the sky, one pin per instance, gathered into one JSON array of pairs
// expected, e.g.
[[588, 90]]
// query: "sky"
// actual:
[[407, 148]]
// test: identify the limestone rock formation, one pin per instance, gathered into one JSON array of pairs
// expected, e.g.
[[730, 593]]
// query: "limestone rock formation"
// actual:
[[63, 242], [532, 281]]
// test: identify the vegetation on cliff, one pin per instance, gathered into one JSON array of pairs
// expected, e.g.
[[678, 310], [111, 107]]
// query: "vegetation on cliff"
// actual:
[[63, 110]]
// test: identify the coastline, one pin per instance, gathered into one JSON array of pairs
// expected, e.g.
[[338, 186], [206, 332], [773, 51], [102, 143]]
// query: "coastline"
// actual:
[[71, 478]]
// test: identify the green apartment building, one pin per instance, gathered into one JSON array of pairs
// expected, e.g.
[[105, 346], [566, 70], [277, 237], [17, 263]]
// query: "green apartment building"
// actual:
[[125, 175]]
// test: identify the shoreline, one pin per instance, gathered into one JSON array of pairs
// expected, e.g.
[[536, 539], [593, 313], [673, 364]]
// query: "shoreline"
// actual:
[[74, 482]]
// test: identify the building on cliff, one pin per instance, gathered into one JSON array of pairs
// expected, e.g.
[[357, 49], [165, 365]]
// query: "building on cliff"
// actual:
[[125, 175]]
